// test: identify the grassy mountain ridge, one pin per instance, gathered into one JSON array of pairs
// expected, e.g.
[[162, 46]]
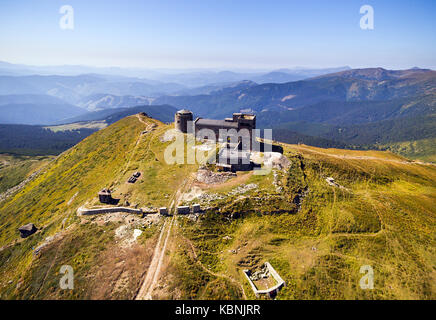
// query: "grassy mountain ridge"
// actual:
[[104, 159], [52, 140], [315, 235]]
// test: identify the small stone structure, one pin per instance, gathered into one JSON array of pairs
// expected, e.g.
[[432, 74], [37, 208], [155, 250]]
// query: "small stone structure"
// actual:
[[105, 196], [196, 208], [268, 271], [183, 210], [163, 211], [27, 230]]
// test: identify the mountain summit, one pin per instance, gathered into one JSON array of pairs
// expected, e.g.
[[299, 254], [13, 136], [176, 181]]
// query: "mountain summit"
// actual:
[[315, 218]]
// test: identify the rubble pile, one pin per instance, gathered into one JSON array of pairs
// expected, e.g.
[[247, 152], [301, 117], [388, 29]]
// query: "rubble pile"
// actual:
[[263, 273], [243, 188], [209, 177]]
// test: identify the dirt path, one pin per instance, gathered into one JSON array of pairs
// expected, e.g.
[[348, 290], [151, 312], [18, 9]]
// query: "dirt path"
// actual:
[[144, 292], [364, 157], [154, 270], [218, 275], [148, 127]]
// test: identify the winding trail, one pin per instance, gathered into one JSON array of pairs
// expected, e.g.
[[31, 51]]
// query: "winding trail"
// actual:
[[154, 270], [363, 157], [148, 127], [218, 275]]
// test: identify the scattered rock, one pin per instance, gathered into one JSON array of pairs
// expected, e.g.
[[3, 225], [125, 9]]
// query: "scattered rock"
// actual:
[[194, 193], [262, 273], [331, 181], [243, 188], [209, 177]]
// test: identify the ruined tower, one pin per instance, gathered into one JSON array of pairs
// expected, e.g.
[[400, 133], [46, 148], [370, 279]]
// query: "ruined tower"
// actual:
[[181, 120]]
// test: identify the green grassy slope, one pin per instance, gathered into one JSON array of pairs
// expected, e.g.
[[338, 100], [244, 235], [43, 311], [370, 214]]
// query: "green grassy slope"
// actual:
[[15, 169], [384, 218], [105, 159], [423, 149]]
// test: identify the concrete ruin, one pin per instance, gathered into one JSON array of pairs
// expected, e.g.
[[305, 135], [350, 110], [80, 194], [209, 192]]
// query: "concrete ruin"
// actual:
[[105, 196], [196, 208], [163, 211], [27, 230], [266, 271], [183, 210]]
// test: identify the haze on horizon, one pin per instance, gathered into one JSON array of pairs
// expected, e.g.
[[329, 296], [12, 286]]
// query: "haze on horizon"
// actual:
[[234, 35]]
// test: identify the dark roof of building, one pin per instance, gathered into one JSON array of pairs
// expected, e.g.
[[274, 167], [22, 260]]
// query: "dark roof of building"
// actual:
[[105, 192], [217, 123], [184, 111]]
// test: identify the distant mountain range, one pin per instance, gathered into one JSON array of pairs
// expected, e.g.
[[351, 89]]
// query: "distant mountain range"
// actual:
[[357, 108], [35, 109], [354, 108], [186, 78], [28, 93], [353, 85], [73, 89]]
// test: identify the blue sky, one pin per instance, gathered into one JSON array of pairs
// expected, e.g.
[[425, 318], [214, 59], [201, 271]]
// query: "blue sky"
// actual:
[[219, 34]]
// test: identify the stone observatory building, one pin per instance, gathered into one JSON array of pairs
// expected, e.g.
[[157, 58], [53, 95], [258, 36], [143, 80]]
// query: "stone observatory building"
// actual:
[[242, 124], [239, 121], [181, 120]]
